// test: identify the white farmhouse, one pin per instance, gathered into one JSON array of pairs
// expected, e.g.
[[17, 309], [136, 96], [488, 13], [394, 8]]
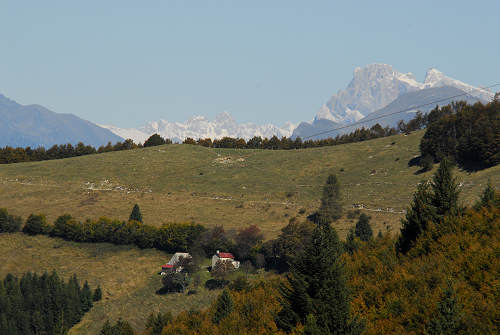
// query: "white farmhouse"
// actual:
[[224, 256]]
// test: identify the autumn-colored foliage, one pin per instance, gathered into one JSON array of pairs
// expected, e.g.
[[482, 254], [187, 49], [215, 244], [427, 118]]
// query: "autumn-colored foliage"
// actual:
[[253, 313], [401, 294]]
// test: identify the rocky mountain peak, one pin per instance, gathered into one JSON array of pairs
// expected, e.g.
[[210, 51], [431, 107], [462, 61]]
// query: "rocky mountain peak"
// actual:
[[371, 88], [376, 85]]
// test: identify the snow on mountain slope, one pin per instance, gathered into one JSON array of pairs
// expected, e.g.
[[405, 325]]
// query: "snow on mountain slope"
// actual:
[[128, 133], [200, 127], [435, 78], [376, 85], [372, 87]]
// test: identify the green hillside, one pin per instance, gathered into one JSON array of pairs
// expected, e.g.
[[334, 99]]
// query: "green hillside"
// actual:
[[227, 187], [128, 277]]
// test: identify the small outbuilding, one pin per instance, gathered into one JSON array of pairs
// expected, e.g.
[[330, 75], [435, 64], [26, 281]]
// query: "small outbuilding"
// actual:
[[173, 261]]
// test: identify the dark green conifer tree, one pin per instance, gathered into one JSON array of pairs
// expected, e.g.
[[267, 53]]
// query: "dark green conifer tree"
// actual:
[[488, 197], [317, 286], [418, 215], [97, 294], [136, 214], [363, 229], [351, 243], [223, 308], [448, 316], [330, 209], [445, 191], [86, 297]]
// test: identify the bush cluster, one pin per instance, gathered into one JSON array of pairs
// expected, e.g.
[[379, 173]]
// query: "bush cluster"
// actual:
[[171, 237]]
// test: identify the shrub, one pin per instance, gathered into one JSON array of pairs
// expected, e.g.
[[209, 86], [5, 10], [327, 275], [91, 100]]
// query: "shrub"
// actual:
[[9, 223], [36, 224]]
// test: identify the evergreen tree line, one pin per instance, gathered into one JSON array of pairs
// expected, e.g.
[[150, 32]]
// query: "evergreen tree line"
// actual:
[[286, 143], [171, 237], [467, 134], [43, 304], [10, 155]]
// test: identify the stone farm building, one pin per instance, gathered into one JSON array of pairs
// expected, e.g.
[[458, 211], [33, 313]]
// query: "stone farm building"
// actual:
[[224, 256], [174, 260]]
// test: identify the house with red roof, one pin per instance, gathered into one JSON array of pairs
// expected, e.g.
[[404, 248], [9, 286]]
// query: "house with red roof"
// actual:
[[224, 256], [173, 261]]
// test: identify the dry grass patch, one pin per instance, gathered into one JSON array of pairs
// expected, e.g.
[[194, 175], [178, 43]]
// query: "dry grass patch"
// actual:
[[128, 277], [189, 183]]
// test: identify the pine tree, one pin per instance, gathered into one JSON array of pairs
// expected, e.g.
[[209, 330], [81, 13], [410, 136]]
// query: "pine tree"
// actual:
[[317, 286], [448, 316], [351, 243], [417, 216], [97, 296], [330, 209], [363, 229], [223, 307], [445, 191], [488, 197], [86, 297], [136, 215]]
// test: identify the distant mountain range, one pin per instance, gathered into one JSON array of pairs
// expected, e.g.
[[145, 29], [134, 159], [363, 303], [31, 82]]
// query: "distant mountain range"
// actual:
[[200, 127], [378, 89], [375, 90], [35, 125]]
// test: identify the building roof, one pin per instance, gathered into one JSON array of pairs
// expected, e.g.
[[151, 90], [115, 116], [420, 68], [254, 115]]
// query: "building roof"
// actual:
[[225, 255], [175, 258]]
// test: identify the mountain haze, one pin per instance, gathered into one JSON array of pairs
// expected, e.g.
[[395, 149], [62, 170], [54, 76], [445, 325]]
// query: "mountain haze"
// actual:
[[35, 125]]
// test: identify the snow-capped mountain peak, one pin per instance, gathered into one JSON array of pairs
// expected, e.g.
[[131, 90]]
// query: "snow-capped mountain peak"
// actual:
[[376, 85], [200, 127], [435, 78], [372, 87]]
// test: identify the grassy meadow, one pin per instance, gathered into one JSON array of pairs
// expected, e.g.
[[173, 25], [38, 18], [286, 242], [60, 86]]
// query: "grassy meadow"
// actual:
[[227, 187], [128, 277]]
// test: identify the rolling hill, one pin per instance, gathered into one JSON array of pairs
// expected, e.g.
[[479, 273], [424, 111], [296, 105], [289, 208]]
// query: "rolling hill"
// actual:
[[227, 187], [128, 277]]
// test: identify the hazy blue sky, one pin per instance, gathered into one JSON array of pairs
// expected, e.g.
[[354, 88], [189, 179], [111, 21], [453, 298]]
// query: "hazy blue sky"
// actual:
[[129, 62]]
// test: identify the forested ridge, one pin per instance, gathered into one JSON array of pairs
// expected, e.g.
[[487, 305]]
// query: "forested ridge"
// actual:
[[43, 304], [468, 134]]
